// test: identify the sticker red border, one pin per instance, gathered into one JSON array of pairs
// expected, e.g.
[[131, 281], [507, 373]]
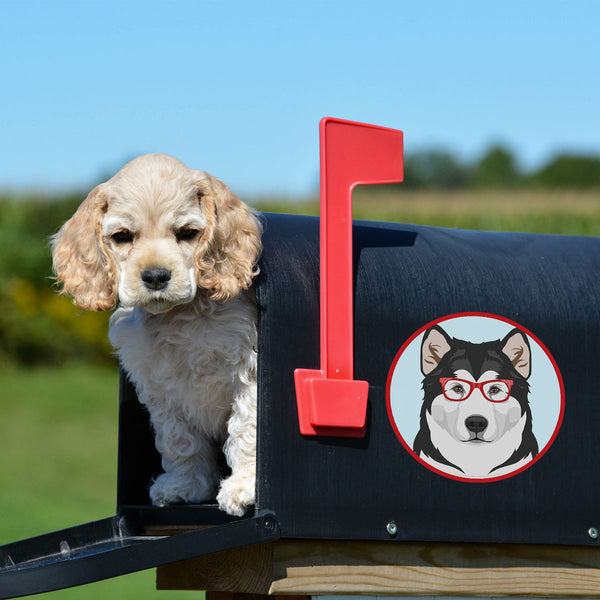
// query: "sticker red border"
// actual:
[[498, 318]]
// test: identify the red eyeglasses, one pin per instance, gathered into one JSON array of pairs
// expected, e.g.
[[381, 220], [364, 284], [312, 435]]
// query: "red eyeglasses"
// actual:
[[457, 390]]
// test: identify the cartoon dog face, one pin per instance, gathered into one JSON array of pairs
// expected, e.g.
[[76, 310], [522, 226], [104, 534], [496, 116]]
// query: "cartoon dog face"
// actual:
[[475, 420]]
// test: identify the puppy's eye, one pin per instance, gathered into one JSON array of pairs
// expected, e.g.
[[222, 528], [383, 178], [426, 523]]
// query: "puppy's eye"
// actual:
[[186, 234], [122, 237]]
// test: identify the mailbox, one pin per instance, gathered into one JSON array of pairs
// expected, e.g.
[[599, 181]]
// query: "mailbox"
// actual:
[[426, 385]]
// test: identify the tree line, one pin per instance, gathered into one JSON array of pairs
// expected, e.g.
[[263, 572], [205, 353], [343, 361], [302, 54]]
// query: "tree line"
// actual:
[[498, 168]]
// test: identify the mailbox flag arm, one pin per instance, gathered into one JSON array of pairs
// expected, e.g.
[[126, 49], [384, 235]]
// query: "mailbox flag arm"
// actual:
[[330, 402], [106, 548]]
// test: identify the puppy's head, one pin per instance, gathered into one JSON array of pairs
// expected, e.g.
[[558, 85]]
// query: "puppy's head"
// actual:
[[155, 234]]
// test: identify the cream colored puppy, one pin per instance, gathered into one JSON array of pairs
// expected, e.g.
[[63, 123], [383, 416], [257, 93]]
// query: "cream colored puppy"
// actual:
[[177, 251]]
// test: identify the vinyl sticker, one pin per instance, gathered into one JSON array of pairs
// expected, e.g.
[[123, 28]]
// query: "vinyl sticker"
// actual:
[[475, 397]]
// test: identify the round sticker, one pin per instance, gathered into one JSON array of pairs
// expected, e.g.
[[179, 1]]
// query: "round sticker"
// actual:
[[475, 397]]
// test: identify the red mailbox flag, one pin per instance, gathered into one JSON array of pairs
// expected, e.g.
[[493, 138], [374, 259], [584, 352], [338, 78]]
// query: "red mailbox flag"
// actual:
[[330, 401]]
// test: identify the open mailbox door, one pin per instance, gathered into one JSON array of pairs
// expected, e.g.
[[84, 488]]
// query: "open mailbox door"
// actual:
[[138, 537], [113, 547]]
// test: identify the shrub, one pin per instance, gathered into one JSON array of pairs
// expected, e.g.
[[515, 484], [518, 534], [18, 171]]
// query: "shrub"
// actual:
[[39, 327]]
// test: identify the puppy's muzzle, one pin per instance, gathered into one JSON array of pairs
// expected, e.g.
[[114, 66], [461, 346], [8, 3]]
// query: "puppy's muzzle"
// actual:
[[156, 278]]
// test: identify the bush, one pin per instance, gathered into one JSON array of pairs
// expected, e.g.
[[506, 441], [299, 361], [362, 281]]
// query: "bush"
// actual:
[[39, 327], [36, 325]]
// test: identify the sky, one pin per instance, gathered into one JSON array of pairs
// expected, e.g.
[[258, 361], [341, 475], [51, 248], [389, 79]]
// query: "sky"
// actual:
[[237, 88]]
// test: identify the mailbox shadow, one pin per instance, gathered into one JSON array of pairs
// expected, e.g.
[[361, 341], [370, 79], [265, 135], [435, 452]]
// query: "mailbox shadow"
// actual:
[[372, 234]]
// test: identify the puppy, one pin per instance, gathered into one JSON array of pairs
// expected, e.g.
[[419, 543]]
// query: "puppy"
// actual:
[[476, 419], [177, 251]]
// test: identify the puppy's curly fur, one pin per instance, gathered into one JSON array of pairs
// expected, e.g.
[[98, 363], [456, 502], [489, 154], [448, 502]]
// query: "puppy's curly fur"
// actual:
[[177, 250]]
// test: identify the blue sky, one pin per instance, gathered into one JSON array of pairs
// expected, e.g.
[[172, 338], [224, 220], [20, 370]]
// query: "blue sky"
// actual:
[[237, 88]]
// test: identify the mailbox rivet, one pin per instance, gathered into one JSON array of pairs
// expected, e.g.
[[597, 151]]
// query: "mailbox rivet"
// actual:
[[269, 524], [593, 533], [392, 528]]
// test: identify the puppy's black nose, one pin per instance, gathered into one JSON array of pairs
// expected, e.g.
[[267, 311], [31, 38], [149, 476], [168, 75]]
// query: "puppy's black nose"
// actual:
[[476, 423], [156, 279]]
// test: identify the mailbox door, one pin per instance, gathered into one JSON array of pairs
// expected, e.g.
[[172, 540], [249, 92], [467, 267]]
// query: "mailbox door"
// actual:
[[113, 547]]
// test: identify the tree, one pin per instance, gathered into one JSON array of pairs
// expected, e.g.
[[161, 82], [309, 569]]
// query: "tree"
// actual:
[[434, 169], [497, 168], [567, 170]]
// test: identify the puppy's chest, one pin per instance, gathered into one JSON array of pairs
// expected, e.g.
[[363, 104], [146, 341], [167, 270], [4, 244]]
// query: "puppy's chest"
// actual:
[[183, 359]]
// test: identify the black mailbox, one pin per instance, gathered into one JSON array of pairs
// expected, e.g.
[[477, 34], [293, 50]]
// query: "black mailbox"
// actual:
[[437, 314]]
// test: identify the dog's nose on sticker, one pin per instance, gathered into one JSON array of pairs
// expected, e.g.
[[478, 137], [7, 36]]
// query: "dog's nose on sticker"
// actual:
[[476, 423]]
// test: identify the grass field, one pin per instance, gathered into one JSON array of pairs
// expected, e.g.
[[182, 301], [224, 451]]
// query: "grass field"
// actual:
[[58, 429]]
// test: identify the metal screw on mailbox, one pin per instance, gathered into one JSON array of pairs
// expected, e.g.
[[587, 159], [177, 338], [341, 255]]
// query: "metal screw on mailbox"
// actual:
[[269, 524], [392, 528], [593, 533]]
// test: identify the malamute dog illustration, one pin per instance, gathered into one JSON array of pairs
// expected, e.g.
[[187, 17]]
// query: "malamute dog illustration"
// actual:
[[475, 420]]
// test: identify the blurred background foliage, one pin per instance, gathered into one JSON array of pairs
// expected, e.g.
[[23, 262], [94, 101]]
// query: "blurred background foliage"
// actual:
[[498, 168], [39, 327]]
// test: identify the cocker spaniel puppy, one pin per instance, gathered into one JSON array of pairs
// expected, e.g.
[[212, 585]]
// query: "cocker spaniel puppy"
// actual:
[[177, 251]]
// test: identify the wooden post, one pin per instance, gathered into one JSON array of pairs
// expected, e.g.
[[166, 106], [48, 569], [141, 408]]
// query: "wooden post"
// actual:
[[311, 568]]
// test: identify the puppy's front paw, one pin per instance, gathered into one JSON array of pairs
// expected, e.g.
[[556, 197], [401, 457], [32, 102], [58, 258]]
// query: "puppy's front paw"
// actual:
[[170, 488], [236, 495]]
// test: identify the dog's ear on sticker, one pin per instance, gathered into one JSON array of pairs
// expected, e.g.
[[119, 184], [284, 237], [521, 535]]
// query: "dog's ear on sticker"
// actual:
[[516, 346], [436, 343], [80, 259], [228, 251]]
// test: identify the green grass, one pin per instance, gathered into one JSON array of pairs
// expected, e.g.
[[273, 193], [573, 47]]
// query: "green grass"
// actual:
[[59, 464]]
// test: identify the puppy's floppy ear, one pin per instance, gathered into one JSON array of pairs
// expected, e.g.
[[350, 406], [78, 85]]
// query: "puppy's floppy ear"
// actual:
[[436, 344], [516, 346], [80, 258], [230, 245]]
